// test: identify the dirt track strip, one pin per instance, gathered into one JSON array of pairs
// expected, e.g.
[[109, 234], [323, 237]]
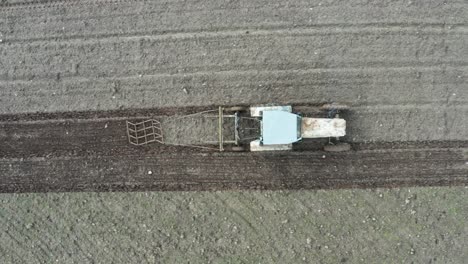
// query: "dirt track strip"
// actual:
[[219, 171], [89, 152]]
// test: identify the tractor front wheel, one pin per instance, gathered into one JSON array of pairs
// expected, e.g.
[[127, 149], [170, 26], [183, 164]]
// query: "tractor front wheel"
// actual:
[[334, 106]]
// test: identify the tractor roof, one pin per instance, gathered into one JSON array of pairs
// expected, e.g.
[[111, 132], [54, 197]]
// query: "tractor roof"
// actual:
[[280, 127]]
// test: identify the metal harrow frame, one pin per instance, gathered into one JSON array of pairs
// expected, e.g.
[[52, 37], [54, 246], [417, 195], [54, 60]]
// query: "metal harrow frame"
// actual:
[[147, 131], [144, 132]]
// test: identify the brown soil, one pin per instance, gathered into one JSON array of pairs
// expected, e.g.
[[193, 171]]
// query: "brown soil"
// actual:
[[89, 151]]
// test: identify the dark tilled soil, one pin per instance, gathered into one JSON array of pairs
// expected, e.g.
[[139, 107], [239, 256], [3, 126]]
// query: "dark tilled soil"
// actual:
[[50, 153], [220, 171]]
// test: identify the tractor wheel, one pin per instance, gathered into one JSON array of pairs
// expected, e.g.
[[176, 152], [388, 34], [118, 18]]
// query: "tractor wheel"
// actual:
[[236, 109], [334, 106], [339, 147], [306, 110], [237, 149]]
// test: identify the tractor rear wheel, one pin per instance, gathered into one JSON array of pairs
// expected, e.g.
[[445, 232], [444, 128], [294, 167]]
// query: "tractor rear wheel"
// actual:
[[334, 106], [237, 149], [236, 109], [339, 147], [306, 110]]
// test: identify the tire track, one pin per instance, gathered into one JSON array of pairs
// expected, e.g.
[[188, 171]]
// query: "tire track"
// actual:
[[310, 30], [46, 4], [242, 16], [96, 60], [296, 69], [42, 4]]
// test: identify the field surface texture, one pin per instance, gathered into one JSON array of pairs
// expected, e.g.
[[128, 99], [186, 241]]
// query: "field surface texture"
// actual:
[[419, 225], [72, 72]]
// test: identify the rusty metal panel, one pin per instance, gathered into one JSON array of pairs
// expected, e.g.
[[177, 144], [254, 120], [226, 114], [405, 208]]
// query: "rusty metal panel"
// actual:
[[323, 127]]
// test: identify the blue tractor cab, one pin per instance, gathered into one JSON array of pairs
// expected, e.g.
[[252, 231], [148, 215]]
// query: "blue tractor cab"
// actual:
[[280, 127]]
